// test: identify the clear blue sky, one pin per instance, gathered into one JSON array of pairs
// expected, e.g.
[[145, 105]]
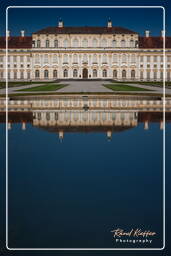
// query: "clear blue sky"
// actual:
[[33, 19]]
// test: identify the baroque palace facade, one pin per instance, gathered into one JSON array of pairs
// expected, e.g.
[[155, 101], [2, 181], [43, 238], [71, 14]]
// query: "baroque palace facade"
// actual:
[[85, 53]]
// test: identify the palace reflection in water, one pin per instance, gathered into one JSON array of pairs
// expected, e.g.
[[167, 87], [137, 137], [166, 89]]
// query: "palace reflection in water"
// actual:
[[84, 185]]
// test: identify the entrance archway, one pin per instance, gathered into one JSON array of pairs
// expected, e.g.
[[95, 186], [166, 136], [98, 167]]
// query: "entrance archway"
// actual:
[[85, 73]]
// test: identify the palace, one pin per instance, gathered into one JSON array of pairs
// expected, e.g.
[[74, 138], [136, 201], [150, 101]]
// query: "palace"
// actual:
[[85, 53]]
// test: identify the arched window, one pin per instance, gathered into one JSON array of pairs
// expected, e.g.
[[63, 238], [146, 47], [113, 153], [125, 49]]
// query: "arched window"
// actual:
[[47, 43], [132, 73], [37, 59], [114, 44], [115, 59], [46, 58], [123, 43], [104, 43], [75, 73], [38, 43], [123, 58], [104, 59], [104, 73], [94, 42], [46, 73], [123, 73], [56, 43], [65, 43], [65, 58], [94, 58], [85, 59], [75, 43], [115, 73], [37, 74], [65, 73], [55, 59], [94, 72], [85, 42], [55, 73], [75, 58], [133, 58], [132, 44]]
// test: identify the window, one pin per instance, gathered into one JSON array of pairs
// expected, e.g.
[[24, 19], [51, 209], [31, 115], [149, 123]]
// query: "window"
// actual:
[[168, 76], [141, 75], [46, 73], [15, 58], [161, 58], [132, 73], [155, 75], [56, 43], [37, 60], [155, 58], [104, 59], [37, 74], [104, 73], [161, 75], [22, 75], [46, 58], [28, 75], [123, 58], [148, 58], [65, 73], [115, 58], [75, 59], [9, 75], [94, 72], [123, 43], [75, 73], [47, 43], [133, 58], [75, 43], [115, 73], [65, 58], [66, 43], [38, 43], [168, 58], [55, 73], [21, 58], [1, 74], [104, 43], [55, 59], [1, 58], [94, 42], [141, 58], [85, 59], [94, 58], [148, 75], [114, 44], [132, 44], [85, 43], [123, 73], [28, 58]]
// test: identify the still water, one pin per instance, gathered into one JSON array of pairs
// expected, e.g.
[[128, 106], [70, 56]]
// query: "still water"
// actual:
[[72, 191]]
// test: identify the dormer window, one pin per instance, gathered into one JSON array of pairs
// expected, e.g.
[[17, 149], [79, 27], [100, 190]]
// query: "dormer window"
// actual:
[[38, 43], [114, 43], [123, 43], [132, 44]]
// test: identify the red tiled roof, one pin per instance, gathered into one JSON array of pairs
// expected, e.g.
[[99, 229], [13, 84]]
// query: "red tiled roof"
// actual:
[[16, 42], [85, 30], [154, 42]]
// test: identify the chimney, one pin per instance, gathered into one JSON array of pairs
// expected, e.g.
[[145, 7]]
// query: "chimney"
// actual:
[[8, 33], [163, 33], [109, 23], [22, 33], [147, 33], [60, 23]]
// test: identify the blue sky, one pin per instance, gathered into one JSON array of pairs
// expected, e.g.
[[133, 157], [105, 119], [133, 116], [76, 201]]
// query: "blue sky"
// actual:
[[33, 19]]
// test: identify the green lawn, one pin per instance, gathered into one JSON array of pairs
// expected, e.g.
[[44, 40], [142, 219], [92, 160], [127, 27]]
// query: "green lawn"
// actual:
[[144, 83], [44, 87], [17, 84], [123, 87]]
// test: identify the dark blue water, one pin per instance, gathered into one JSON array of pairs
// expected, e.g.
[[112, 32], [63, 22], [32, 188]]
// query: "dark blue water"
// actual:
[[72, 194]]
